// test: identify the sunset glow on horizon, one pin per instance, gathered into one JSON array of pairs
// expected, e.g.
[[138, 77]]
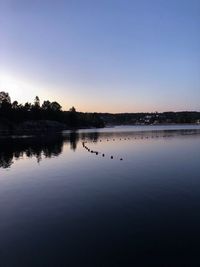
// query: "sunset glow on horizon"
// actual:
[[108, 56]]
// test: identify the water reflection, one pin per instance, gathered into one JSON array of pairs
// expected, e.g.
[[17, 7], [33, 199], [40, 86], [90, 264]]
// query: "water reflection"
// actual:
[[83, 209], [13, 148]]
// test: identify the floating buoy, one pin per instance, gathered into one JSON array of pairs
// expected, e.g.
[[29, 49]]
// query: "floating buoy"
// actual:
[[121, 159]]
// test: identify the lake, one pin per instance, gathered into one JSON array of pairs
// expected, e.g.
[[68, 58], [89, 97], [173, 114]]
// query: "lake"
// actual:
[[122, 196]]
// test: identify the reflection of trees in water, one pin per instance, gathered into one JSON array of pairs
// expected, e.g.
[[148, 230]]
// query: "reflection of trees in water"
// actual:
[[39, 147], [73, 139], [51, 146], [30, 147], [92, 136], [6, 160]]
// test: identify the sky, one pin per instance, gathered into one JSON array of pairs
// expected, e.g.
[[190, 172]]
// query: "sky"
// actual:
[[102, 55]]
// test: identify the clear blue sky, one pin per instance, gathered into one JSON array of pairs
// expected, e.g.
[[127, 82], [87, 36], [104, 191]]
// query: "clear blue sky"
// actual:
[[102, 55]]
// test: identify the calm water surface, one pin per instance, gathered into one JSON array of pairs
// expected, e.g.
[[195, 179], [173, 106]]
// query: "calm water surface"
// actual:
[[138, 205]]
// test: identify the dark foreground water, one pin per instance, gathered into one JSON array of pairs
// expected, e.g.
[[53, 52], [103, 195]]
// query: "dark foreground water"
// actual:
[[61, 205]]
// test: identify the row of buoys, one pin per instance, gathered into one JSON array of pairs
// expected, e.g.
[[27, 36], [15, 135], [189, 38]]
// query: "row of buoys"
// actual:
[[135, 138], [120, 139], [96, 152]]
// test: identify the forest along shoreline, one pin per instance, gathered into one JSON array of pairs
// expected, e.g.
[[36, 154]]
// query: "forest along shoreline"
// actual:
[[48, 117], [34, 118]]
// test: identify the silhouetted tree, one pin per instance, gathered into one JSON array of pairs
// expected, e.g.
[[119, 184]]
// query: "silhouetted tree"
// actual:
[[73, 117], [15, 105], [55, 106], [72, 109], [5, 101], [37, 102], [27, 106], [4, 97], [46, 105]]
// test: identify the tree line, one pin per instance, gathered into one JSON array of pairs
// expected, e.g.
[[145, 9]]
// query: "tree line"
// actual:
[[52, 111], [151, 118]]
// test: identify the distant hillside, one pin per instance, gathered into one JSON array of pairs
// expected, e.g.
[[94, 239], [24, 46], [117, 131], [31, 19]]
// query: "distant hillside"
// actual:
[[150, 118]]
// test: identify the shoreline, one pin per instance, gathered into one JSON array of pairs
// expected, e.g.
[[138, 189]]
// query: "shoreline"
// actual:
[[54, 128]]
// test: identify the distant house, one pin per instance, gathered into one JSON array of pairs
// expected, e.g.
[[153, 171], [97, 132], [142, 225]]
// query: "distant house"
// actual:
[[147, 119]]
